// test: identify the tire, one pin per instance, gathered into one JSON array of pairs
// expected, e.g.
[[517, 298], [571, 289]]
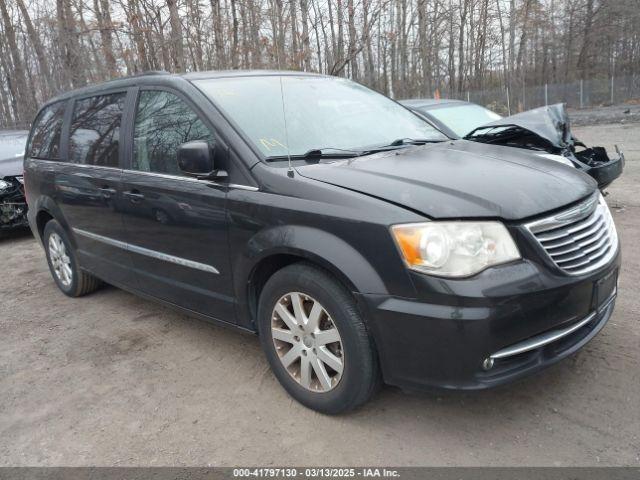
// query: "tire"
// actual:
[[63, 263], [359, 376]]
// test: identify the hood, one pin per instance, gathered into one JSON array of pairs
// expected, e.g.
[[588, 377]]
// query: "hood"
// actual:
[[11, 167], [12, 146], [550, 123], [460, 179]]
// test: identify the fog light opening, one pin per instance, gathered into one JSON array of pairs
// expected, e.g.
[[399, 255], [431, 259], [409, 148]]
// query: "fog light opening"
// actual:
[[487, 363]]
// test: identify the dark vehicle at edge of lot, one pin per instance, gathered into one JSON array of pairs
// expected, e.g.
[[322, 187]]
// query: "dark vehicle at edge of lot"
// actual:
[[13, 208], [543, 129], [371, 249]]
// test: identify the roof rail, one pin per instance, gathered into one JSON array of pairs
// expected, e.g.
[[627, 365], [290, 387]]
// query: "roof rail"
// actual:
[[143, 74], [152, 72]]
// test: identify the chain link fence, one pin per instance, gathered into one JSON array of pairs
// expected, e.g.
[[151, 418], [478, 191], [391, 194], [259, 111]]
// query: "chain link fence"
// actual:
[[579, 94], [596, 92]]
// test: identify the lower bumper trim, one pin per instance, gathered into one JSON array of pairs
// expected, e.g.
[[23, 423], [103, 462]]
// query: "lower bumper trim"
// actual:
[[547, 337]]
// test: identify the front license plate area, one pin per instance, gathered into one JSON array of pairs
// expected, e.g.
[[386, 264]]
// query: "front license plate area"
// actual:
[[606, 288]]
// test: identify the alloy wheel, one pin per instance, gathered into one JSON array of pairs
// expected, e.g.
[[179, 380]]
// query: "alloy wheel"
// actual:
[[60, 260], [307, 342]]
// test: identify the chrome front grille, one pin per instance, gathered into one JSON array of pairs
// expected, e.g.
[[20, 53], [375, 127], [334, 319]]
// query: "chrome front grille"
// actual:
[[580, 239]]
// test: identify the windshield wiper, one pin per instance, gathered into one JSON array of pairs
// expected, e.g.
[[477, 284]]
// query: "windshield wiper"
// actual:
[[318, 153], [399, 143], [410, 141], [337, 153]]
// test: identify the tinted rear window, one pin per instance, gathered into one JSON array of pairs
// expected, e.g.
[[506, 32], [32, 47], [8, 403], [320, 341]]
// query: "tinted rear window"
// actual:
[[95, 130], [45, 139]]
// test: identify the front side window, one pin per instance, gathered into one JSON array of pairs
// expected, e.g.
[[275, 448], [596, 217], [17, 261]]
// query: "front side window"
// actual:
[[163, 123], [291, 115], [95, 130], [45, 139]]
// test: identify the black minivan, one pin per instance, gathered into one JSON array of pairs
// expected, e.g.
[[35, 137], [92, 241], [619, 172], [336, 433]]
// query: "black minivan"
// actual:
[[359, 242]]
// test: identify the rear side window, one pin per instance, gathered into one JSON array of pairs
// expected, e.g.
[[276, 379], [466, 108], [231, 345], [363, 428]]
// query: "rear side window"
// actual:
[[95, 130], [45, 137]]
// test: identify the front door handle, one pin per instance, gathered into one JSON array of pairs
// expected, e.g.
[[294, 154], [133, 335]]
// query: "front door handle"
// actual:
[[134, 196]]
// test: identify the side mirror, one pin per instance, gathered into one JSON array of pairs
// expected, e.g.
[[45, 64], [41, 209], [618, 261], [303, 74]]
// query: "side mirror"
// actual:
[[196, 158]]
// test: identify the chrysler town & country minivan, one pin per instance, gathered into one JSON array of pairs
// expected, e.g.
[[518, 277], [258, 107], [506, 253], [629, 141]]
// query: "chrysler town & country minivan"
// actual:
[[361, 244]]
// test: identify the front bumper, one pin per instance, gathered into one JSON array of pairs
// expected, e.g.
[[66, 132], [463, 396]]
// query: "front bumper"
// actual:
[[604, 172], [444, 338], [607, 173]]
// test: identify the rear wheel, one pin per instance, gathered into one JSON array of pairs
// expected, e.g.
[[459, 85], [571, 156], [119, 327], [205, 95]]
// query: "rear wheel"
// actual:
[[63, 264], [315, 340]]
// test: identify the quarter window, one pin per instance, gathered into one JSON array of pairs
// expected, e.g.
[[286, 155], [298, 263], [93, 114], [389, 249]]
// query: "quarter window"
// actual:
[[95, 130], [163, 123], [45, 139]]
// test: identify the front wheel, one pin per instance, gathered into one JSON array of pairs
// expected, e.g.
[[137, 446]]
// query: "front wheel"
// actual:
[[316, 341]]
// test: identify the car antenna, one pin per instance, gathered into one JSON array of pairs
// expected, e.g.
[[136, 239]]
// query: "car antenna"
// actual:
[[284, 117], [286, 131]]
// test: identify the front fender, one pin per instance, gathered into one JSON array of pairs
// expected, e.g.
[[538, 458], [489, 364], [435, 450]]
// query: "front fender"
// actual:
[[315, 245]]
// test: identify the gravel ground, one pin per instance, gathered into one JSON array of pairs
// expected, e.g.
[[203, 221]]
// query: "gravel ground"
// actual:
[[620, 114], [111, 379]]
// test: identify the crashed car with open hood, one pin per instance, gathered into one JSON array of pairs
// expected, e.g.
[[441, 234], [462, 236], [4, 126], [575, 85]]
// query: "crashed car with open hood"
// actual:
[[13, 206], [544, 129]]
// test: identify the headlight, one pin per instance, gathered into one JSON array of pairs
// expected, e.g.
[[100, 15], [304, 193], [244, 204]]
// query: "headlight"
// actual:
[[4, 185], [454, 249]]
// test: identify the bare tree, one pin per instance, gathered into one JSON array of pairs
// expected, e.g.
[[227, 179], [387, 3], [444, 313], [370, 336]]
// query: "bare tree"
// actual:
[[176, 36], [399, 47], [24, 100]]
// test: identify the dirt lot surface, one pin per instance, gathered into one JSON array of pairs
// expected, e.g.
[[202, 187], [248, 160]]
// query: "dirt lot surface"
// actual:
[[111, 379], [622, 113]]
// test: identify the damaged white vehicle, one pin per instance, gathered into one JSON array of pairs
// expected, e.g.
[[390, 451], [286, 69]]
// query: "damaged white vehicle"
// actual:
[[544, 129], [13, 206]]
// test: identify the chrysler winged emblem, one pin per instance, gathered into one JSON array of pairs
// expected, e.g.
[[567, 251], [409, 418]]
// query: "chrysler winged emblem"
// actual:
[[579, 211]]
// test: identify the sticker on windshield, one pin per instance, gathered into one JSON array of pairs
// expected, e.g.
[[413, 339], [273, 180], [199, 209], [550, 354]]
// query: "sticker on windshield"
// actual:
[[271, 144]]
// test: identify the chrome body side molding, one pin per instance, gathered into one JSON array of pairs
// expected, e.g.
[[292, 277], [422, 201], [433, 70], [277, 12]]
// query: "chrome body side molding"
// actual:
[[147, 252]]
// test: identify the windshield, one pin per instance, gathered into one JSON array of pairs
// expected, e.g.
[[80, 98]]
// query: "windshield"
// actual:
[[319, 113], [12, 145], [464, 118]]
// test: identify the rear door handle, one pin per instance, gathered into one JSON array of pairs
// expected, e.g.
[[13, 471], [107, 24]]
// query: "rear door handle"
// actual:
[[107, 192], [134, 196]]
